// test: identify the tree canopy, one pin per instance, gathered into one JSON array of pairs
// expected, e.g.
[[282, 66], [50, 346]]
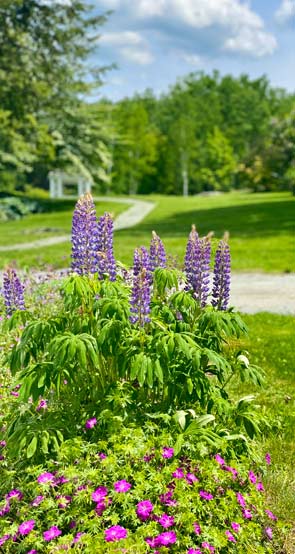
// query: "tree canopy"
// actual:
[[208, 132], [45, 75]]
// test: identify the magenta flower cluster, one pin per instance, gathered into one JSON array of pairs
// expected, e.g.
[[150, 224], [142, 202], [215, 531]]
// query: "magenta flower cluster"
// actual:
[[163, 510]]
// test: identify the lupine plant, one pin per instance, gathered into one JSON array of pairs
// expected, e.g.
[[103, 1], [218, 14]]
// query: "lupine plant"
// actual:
[[158, 256], [84, 237], [197, 266], [13, 291], [221, 280], [120, 351], [141, 287], [106, 260]]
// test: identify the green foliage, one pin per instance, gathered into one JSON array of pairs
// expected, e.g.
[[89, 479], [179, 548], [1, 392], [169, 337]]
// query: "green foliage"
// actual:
[[209, 132], [136, 151], [89, 360], [44, 73], [12, 208]]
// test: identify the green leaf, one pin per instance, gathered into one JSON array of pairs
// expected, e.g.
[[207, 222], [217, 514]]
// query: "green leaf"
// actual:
[[180, 418], [178, 444], [32, 447]]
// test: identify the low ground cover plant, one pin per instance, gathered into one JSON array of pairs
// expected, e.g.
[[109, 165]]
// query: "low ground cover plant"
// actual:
[[120, 385], [130, 493]]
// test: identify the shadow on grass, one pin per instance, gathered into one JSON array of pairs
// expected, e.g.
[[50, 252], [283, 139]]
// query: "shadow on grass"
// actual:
[[249, 220]]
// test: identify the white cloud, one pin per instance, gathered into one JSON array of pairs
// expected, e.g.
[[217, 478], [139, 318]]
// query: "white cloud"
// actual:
[[192, 59], [248, 38], [141, 57], [285, 12], [212, 26], [122, 38], [53, 2], [130, 45]]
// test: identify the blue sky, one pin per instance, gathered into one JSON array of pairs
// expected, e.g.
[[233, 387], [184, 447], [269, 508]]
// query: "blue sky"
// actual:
[[153, 42]]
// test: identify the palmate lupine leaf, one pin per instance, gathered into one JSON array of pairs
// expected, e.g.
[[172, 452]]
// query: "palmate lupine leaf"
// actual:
[[34, 341], [109, 337]]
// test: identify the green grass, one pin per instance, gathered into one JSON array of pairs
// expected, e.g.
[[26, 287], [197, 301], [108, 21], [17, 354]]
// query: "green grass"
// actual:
[[261, 226], [271, 345]]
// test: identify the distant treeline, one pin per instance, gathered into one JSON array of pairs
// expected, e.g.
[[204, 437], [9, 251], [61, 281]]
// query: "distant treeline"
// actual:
[[206, 133]]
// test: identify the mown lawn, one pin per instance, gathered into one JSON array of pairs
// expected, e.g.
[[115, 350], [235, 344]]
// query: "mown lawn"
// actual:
[[271, 345], [261, 227]]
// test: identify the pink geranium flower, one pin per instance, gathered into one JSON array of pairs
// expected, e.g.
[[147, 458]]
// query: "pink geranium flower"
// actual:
[[191, 478], [260, 487], [115, 533], [15, 493], [37, 501], [42, 405], [166, 538], [241, 500], [219, 460], [197, 528], [122, 486], [208, 546], [26, 527], [178, 473], [144, 509], [167, 452], [99, 494], [46, 477], [51, 533], [252, 477], [166, 521], [271, 515], [206, 495], [235, 526], [230, 536], [3, 539], [90, 423]]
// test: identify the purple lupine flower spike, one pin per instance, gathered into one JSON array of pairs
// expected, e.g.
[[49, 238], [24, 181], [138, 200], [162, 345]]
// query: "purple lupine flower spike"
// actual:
[[197, 266], [141, 289], [13, 291], [157, 252], [205, 246], [105, 257], [222, 276], [84, 236]]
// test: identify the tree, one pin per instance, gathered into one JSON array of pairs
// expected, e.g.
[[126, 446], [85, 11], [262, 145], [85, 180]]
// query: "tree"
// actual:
[[216, 163], [136, 153], [44, 75]]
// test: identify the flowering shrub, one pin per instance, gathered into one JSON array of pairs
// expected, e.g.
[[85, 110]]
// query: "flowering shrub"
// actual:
[[127, 345], [132, 494], [118, 431]]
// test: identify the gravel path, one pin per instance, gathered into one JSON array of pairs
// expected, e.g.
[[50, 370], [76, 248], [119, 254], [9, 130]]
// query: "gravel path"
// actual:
[[135, 214], [251, 292], [263, 292]]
